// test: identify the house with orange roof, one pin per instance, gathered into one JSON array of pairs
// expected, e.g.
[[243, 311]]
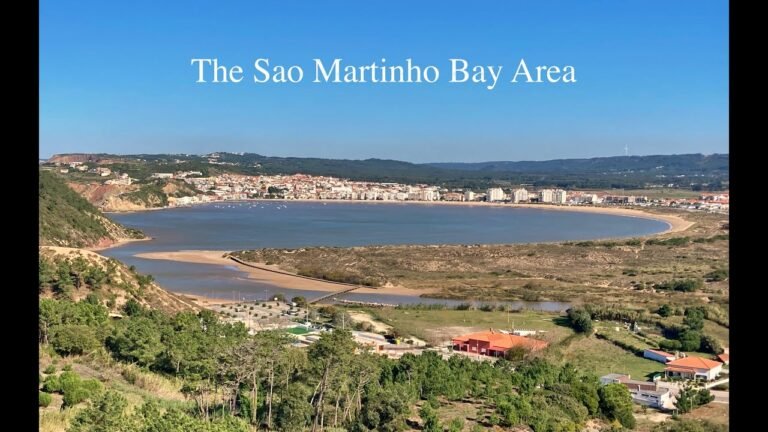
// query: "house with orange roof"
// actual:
[[693, 368], [494, 343]]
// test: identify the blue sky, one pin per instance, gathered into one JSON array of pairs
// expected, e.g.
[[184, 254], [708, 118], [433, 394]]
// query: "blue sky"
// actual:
[[652, 75]]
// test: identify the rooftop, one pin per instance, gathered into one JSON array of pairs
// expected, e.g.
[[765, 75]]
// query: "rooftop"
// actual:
[[503, 341], [661, 353], [692, 363]]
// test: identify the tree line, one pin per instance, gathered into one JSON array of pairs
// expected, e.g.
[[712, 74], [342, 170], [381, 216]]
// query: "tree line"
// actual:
[[238, 381]]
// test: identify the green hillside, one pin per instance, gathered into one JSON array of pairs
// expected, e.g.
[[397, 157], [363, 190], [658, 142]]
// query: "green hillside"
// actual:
[[67, 219]]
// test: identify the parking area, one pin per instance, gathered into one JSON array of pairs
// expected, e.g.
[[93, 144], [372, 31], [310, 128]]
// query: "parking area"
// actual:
[[261, 315]]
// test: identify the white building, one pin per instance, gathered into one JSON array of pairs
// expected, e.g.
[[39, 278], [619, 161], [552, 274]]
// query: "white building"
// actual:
[[429, 195], [642, 392], [162, 175], [693, 367], [559, 196], [494, 194], [469, 196], [590, 199], [546, 195], [659, 356], [520, 195]]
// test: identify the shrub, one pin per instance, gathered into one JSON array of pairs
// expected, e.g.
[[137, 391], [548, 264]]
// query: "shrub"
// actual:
[[44, 399], [75, 396], [581, 320], [51, 369], [710, 344], [689, 398], [75, 389], [674, 241], [716, 275], [684, 285], [616, 404], [670, 345], [74, 339], [456, 425], [52, 384], [694, 318], [664, 310], [130, 375], [530, 296], [300, 301], [132, 308], [690, 340]]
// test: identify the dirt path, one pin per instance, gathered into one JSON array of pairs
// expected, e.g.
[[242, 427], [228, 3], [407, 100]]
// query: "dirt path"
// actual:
[[360, 316]]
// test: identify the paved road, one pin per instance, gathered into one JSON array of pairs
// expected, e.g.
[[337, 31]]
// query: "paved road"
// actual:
[[674, 388], [721, 396]]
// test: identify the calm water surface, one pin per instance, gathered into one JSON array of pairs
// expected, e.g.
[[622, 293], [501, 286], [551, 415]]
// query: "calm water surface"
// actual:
[[264, 224]]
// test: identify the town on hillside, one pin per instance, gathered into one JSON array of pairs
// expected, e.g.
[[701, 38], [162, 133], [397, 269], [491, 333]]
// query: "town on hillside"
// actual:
[[229, 187]]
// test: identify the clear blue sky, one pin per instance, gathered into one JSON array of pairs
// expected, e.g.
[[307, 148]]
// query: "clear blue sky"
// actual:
[[653, 75]]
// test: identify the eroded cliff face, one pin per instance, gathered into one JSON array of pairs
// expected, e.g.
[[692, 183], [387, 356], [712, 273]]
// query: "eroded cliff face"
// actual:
[[118, 204], [101, 194], [114, 198]]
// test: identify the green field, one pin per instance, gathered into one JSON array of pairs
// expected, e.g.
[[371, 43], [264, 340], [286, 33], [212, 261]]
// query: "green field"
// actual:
[[589, 354], [441, 325], [602, 357]]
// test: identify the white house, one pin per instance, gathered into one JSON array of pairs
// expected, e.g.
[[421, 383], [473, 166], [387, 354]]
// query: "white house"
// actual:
[[659, 356], [694, 368], [642, 392]]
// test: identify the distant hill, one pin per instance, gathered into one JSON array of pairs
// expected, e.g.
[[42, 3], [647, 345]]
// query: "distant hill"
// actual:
[[67, 219], [671, 164], [627, 172]]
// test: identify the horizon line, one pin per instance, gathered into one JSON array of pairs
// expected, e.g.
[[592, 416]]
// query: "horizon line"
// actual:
[[382, 159]]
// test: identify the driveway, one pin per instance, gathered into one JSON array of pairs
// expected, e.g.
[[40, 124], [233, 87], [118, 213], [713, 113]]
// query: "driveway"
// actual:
[[674, 389]]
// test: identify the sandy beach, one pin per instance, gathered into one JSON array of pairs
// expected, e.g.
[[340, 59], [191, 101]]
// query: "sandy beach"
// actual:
[[205, 302], [273, 275], [118, 243]]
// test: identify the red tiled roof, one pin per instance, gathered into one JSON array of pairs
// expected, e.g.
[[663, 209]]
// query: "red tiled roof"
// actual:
[[693, 363], [724, 357], [501, 341]]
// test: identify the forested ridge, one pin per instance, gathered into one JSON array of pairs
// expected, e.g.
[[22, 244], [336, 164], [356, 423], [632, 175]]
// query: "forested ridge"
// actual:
[[68, 219]]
